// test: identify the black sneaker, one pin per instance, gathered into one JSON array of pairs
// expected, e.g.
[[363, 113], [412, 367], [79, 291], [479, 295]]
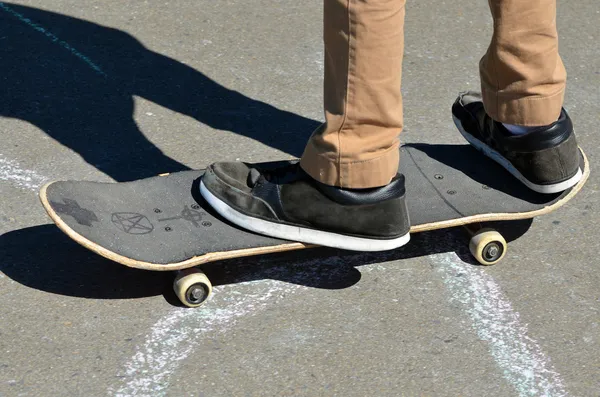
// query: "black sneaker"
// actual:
[[546, 160], [280, 200]]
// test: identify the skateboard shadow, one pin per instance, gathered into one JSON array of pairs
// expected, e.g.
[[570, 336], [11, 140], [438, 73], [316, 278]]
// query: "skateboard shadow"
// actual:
[[75, 80], [327, 268], [44, 258], [481, 169]]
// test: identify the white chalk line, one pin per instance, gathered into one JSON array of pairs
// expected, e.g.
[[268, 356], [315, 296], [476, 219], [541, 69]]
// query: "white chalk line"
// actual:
[[51, 36], [174, 338], [522, 361], [21, 177]]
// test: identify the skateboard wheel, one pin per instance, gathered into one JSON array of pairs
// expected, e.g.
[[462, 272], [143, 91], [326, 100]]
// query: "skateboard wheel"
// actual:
[[192, 287], [487, 246]]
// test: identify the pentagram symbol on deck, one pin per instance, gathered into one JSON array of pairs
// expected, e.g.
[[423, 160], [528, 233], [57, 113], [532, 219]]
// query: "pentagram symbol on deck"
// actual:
[[188, 214], [71, 207], [132, 223]]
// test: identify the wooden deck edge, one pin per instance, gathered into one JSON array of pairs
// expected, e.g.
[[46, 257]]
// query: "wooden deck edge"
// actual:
[[195, 261]]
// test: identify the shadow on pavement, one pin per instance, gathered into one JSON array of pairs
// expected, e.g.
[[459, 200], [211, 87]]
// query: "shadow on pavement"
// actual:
[[42, 257], [328, 268], [75, 80]]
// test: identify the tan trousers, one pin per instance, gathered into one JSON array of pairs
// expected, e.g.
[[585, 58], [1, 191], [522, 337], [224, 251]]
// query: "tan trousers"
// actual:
[[522, 82]]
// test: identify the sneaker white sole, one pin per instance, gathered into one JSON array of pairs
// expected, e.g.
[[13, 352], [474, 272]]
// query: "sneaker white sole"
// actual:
[[497, 157], [297, 233]]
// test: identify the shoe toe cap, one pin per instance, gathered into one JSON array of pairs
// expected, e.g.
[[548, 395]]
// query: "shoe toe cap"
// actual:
[[231, 174]]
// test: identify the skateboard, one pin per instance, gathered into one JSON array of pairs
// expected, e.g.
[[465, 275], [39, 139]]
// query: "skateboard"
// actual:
[[162, 223]]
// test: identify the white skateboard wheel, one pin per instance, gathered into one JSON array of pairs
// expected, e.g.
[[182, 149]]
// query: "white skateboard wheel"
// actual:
[[192, 287], [488, 246]]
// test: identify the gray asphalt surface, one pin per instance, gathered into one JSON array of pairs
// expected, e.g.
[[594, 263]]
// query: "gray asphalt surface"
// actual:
[[119, 90]]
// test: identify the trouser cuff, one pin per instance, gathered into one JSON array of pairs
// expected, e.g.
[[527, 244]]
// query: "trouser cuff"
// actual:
[[528, 111], [363, 174]]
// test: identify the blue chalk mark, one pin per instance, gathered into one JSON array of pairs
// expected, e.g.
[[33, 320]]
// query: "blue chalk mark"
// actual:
[[52, 38]]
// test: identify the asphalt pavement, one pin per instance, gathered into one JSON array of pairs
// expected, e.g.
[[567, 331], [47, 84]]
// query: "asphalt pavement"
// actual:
[[119, 90]]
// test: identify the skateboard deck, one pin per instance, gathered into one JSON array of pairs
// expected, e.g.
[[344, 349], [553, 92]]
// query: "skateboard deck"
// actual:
[[162, 223]]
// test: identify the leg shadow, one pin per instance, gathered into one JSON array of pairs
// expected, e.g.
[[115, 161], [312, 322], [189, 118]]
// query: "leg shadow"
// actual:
[[75, 80]]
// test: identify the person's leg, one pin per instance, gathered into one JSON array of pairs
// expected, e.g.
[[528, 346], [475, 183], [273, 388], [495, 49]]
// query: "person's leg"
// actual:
[[522, 75], [346, 192], [518, 119], [358, 145]]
